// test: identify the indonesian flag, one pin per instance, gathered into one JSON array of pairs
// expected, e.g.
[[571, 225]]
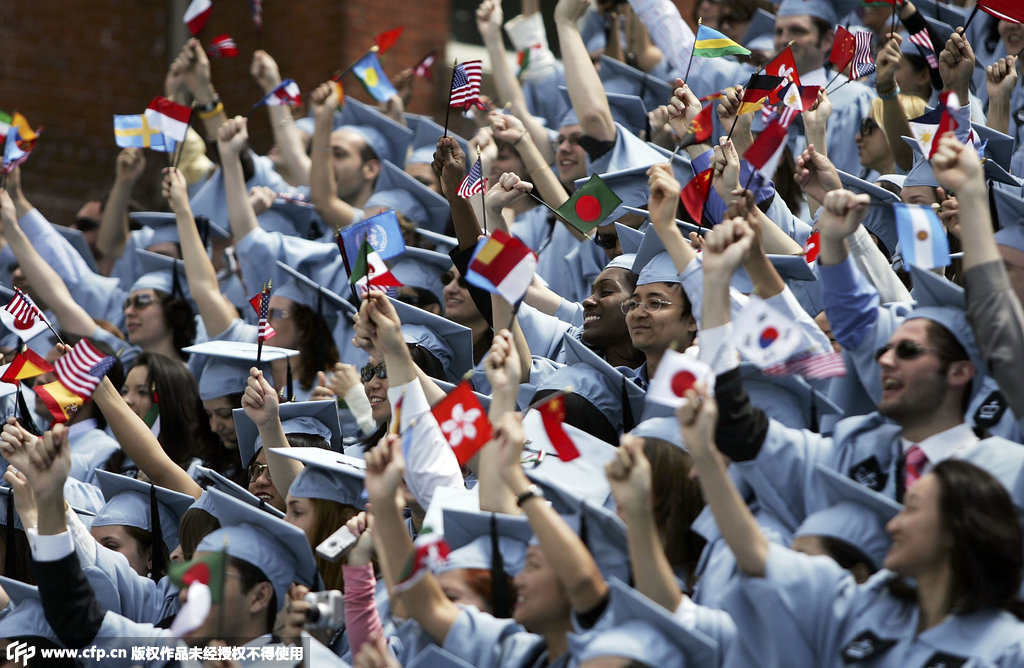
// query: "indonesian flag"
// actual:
[[463, 422], [922, 238], [764, 336], [429, 552], [223, 46], [22, 317], [286, 93], [197, 14], [25, 364], [552, 413], [677, 373], [169, 117], [502, 265], [261, 304], [83, 368]]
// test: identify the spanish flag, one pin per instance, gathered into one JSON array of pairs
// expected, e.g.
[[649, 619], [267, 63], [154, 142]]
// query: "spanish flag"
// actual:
[[26, 364], [712, 44], [62, 402]]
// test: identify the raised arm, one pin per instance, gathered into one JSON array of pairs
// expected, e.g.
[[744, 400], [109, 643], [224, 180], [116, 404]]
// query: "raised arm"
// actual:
[[662, 209], [45, 281], [139, 443], [502, 368], [286, 136], [585, 88], [323, 189], [217, 312], [193, 68], [113, 233], [450, 166], [232, 139], [1000, 80], [260, 404]]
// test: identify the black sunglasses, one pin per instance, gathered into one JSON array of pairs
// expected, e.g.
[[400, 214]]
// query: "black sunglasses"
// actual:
[[368, 371], [607, 241], [867, 126], [449, 276], [906, 350], [138, 302]]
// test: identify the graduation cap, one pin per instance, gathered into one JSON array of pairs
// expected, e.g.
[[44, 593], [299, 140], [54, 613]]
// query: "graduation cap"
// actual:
[[630, 185], [297, 417], [160, 272], [921, 173], [620, 78], [225, 369], [995, 172], [279, 549], [948, 13], [26, 618], [163, 226], [239, 350], [1009, 210], [652, 262], [426, 133], [629, 239], [998, 146], [853, 513], [448, 341], [215, 480], [644, 632], [789, 399], [303, 290], [292, 217], [328, 475], [397, 190], [421, 268], [388, 139], [798, 275], [78, 242], [446, 387], [627, 110], [943, 302], [443, 242], [129, 504], [664, 428], [761, 27], [626, 397], [880, 220], [817, 8]]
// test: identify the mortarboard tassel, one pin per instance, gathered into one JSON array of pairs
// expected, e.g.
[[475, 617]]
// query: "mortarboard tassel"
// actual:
[[11, 552], [501, 597], [154, 522]]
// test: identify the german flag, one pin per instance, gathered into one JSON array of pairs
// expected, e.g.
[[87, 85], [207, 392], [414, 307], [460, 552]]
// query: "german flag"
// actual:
[[757, 89]]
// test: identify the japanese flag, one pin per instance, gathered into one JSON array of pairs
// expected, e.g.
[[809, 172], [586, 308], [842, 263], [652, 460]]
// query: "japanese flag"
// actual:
[[677, 373]]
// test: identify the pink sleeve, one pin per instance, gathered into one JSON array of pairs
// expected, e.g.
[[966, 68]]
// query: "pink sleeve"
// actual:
[[361, 619]]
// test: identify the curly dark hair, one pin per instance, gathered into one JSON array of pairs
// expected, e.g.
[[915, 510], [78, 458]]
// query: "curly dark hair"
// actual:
[[180, 319], [316, 343]]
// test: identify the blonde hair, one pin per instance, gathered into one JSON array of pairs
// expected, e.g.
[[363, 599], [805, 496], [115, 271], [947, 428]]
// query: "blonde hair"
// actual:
[[913, 106]]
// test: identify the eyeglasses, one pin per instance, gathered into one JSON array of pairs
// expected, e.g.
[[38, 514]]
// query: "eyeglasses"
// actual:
[[574, 140], [367, 372], [278, 314], [138, 302], [449, 276], [607, 241], [651, 305], [256, 469], [906, 350], [867, 126]]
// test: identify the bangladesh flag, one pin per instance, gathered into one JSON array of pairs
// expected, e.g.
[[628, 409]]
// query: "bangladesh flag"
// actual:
[[590, 205], [203, 576]]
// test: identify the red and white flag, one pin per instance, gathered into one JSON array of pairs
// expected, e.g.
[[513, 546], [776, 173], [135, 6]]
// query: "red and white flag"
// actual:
[[169, 117], [766, 151], [422, 68], [197, 14], [429, 551], [286, 93], [552, 414], [261, 304], [82, 369], [22, 317], [812, 247], [677, 373], [463, 422], [222, 46]]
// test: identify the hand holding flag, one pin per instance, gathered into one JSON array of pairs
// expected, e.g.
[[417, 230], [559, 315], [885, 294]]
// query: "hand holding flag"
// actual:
[[677, 373], [463, 421], [503, 265]]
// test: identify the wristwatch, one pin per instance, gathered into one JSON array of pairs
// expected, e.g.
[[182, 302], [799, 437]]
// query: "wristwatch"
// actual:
[[531, 492]]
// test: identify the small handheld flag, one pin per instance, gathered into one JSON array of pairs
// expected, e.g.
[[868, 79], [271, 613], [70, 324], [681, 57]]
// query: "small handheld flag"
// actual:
[[712, 44], [764, 336], [863, 62], [429, 551], [203, 576], [261, 304], [844, 46], [812, 247], [422, 68], [369, 72], [463, 421], [387, 39], [23, 317], [552, 414], [757, 89], [82, 369], [783, 65], [678, 372], [922, 238], [169, 117], [285, 93], [382, 231], [695, 195], [14, 154], [371, 272], [503, 265], [59, 400], [25, 364], [813, 366], [590, 205], [765, 152], [197, 14], [474, 181], [1005, 10], [222, 46], [465, 90]]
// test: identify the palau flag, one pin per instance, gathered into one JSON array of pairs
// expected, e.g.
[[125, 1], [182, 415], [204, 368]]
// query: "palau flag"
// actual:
[[369, 71]]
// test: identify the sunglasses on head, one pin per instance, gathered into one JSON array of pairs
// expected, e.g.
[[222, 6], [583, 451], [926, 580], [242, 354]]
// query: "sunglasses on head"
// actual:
[[449, 276], [138, 302], [906, 350], [367, 372], [607, 241]]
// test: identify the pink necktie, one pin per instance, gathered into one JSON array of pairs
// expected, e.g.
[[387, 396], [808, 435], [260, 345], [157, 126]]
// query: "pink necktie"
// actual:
[[914, 463]]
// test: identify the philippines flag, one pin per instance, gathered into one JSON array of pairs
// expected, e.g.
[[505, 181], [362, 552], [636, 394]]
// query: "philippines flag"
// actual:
[[474, 181], [286, 93], [466, 85], [922, 238], [82, 369], [197, 14]]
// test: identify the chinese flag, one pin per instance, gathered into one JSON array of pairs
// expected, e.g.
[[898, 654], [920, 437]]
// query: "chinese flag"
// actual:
[[695, 195], [844, 45], [552, 413], [700, 128]]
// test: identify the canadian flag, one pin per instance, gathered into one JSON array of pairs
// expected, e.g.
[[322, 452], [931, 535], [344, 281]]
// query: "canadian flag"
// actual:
[[677, 373]]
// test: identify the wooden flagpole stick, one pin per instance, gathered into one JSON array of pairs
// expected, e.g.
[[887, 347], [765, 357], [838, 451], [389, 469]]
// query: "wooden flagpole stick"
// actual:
[[180, 148], [971, 18], [338, 74], [448, 107]]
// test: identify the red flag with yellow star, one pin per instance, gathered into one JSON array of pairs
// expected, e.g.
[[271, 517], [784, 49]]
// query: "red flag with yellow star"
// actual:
[[552, 413]]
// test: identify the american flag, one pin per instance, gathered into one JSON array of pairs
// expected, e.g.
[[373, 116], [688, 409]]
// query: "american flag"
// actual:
[[466, 84], [261, 304], [823, 365], [222, 46], [474, 181], [422, 68], [922, 40], [22, 308], [863, 64], [256, 9], [82, 369]]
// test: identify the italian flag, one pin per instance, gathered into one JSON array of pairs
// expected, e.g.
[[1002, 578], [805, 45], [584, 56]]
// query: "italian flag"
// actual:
[[429, 551]]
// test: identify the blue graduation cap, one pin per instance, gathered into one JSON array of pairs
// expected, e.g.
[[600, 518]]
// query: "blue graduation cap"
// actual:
[[920, 173], [304, 290], [789, 399], [442, 242], [998, 146], [663, 428], [994, 172], [163, 226], [880, 220], [629, 239], [225, 368], [426, 133], [297, 417], [592, 31], [627, 110], [421, 268], [629, 185], [816, 8], [433, 656], [328, 475], [289, 215], [652, 263], [78, 242], [948, 13], [26, 619], [278, 549], [388, 139], [128, 504], [471, 536], [160, 272], [618, 77], [1009, 213], [448, 341], [943, 302], [208, 478], [446, 387], [399, 191], [644, 632], [618, 392], [762, 25], [853, 513]]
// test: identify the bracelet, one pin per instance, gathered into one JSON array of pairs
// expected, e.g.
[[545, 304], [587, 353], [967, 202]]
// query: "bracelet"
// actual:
[[218, 109], [209, 106], [532, 492], [890, 96], [519, 138]]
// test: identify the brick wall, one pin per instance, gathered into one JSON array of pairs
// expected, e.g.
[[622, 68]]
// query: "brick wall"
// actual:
[[70, 65]]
